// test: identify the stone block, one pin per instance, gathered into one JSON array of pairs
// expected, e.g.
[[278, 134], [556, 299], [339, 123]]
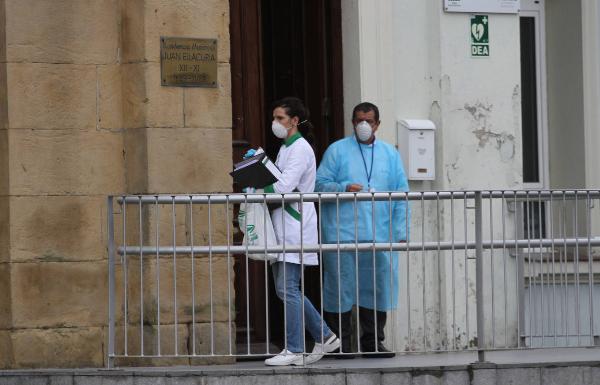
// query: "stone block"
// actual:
[[217, 338], [180, 18], [58, 348], [110, 102], [102, 379], [132, 345], [58, 228], [395, 378], [136, 160], [146, 102], [189, 160], [363, 378], [62, 31], [517, 376], [484, 377], [425, 377], [51, 96], [210, 107], [573, 375], [56, 294], [456, 377], [5, 298], [24, 379], [6, 359], [66, 162], [132, 32], [3, 90], [4, 181], [188, 308], [4, 228]]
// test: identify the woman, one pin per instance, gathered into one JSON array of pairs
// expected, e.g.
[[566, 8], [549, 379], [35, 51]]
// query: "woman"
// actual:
[[296, 160]]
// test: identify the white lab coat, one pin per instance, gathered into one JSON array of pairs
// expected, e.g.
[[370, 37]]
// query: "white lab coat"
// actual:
[[296, 160]]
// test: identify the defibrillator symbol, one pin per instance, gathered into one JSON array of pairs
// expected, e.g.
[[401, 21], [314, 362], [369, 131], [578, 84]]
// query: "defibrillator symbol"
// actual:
[[480, 35]]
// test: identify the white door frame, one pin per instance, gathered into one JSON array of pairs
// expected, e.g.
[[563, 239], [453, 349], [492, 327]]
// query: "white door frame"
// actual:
[[536, 9]]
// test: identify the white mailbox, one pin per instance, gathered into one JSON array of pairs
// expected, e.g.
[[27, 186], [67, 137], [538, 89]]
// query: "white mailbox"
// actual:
[[421, 148]]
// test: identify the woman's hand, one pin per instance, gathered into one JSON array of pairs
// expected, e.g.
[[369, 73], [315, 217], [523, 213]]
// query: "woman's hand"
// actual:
[[250, 153]]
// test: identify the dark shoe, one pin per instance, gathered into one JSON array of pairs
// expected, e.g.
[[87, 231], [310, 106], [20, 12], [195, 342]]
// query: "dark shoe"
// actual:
[[382, 352]]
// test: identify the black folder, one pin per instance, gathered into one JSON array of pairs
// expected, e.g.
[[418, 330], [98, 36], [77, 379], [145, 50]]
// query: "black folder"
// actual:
[[257, 171]]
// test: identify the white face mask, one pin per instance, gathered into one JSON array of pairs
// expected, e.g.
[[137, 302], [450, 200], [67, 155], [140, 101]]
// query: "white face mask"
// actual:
[[363, 131], [279, 130]]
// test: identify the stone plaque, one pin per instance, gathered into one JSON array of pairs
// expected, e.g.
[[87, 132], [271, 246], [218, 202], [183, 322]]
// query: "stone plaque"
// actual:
[[188, 62]]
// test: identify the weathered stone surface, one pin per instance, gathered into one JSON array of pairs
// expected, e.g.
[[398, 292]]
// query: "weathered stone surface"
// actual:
[[58, 348], [168, 341], [484, 377], [58, 294], [396, 378], [5, 299], [3, 89], [62, 31], [136, 160], [58, 228], [424, 377], [103, 380], [574, 375], [4, 228], [180, 18], [210, 107], [66, 162], [516, 376], [110, 102], [187, 309], [217, 338], [146, 102], [366, 378], [6, 360], [183, 160], [51, 96], [132, 32], [456, 377]]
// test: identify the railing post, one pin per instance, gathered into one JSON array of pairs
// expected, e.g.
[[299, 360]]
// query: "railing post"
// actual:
[[111, 283], [479, 277]]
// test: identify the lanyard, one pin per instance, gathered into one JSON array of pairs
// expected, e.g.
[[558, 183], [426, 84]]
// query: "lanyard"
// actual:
[[369, 173]]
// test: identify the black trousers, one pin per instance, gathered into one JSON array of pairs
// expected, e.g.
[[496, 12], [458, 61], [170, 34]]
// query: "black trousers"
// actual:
[[370, 321]]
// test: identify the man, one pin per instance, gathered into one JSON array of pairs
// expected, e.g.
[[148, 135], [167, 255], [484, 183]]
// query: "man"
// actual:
[[361, 163]]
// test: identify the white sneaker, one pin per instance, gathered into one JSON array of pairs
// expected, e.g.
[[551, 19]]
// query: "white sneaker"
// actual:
[[319, 350], [285, 358]]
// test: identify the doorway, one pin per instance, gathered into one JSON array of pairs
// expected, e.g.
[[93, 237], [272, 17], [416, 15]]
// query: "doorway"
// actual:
[[280, 48]]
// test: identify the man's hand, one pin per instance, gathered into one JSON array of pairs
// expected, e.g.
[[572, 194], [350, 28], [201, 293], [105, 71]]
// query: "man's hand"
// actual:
[[354, 187]]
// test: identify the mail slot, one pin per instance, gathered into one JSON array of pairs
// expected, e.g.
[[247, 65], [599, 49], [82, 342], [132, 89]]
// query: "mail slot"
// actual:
[[421, 148]]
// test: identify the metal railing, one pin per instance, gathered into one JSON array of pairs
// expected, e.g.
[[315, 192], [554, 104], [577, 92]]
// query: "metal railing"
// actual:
[[481, 270]]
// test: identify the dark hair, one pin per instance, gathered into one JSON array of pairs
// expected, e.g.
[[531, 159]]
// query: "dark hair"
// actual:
[[366, 107], [293, 106]]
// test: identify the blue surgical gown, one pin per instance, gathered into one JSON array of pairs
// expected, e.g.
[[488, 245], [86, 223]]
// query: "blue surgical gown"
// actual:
[[377, 273]]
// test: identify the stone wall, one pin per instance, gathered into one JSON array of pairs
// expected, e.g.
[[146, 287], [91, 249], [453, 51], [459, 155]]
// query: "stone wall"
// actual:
[[83, 116]]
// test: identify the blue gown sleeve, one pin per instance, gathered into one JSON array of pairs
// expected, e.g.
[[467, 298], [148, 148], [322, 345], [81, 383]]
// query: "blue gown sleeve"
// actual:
[[327, 173], [401, 214]]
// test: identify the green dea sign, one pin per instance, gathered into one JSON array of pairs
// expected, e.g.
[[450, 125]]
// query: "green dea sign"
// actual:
[[480, 36]]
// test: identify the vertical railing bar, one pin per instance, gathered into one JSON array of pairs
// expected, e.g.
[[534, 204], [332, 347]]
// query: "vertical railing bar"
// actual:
[[590, 266], [125, 277], [373, 254], [356, 256], [542, 309], [320, 238], [466, 269], [266, 266], [406, 229], [504, 280], [176, 323], [339, 281], [111, 282], [391, 237], [453, 274], [479, 276], [424, 253], [248, 349], [192, 244], [576, 235], [439, 258], [552, 251], [519, 279], [228, 275], [210, 279], [566, 268], [529, 270], [141, 237], [157, 277], [284, 264], [302, 305], [493, 282]]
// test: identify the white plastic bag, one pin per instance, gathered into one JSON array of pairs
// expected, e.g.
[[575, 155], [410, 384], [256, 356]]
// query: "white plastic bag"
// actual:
[[255, 223]]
